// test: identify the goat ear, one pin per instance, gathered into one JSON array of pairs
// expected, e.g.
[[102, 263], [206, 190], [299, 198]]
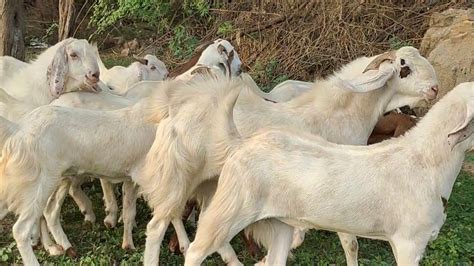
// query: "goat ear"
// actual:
[[463, 130], [221, 49], [371, 81], [57, 70]]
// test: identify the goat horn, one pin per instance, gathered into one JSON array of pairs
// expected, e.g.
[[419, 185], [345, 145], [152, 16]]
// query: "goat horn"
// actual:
[[375, 64], [141, 60], [201, 70]]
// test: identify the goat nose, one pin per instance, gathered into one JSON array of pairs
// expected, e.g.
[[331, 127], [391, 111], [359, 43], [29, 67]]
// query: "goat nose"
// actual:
[[435, 89], [93, 76], [96, 75]]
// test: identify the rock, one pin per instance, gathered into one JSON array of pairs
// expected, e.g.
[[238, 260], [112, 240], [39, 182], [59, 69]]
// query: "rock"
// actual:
[[133, 45], [125, 52], [449, 44]]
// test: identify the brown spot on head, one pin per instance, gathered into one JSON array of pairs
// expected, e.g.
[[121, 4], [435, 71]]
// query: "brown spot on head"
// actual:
[[405, 71]]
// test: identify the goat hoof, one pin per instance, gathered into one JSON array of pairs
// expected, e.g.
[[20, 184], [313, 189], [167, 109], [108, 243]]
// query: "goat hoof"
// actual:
[[88, 224], [55, 250], [109, 225], [37, 246], [128, 247], [110, 222], [89, 219], [71, 252], [173, 246], [184, 249]]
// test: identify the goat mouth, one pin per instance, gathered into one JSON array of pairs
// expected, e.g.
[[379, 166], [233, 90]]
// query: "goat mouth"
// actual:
[[430, 96], [92, 86]]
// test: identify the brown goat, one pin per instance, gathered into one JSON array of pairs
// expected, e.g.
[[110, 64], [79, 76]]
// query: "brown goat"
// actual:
[[391, 125]]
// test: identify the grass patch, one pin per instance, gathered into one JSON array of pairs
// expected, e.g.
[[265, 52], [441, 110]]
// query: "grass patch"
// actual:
[[99, 246]]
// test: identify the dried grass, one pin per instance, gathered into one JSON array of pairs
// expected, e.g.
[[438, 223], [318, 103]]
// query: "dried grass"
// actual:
[[312, 38]]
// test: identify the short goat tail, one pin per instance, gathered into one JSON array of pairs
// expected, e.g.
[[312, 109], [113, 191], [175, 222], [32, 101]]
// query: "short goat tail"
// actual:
[[19, 171]]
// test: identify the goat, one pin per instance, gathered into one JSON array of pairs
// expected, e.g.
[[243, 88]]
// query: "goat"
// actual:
[[120, 78], [305, 181], [336, 101], [100, 101], [219, 53], [390, 125], [67, 66]]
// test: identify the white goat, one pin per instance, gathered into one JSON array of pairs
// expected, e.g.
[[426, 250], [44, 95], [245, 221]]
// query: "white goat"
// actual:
[[67, 66], [120, 78], [334, 108], [305, 181], [97, 101], [218, 53]]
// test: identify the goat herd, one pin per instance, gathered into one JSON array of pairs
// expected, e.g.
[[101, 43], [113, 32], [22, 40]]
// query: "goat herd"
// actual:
[[275, 164]]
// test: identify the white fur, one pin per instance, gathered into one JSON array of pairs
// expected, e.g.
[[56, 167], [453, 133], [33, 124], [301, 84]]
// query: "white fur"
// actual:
[[306, 181], [120, 79], [94, 101], [287, 90]]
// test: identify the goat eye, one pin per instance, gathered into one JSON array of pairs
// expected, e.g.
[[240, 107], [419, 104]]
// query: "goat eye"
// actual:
[[405, 71], [73, 55], [402, 62]]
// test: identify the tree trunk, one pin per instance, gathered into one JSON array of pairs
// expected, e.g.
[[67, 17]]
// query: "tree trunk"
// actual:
[[12, 28], [66, 19]]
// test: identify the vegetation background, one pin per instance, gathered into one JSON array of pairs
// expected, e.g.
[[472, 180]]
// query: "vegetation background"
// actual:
[[276, 40]]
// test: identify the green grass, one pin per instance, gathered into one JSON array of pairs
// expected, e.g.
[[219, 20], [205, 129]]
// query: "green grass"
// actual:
[[99, 246]]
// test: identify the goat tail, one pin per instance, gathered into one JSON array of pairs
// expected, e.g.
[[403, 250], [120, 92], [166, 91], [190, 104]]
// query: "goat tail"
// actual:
[[262, 232], [19, 172]]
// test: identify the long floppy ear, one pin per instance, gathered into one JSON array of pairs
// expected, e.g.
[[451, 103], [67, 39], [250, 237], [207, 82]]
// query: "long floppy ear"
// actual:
[[463, 130], [372, 80], [57, 70]]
